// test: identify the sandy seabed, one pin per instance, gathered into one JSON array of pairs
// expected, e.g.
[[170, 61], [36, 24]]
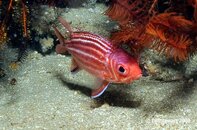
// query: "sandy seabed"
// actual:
[[48, 96]]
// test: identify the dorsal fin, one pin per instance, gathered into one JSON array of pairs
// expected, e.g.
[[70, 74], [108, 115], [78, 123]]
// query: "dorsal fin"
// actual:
[[59, 35], [65, 24]]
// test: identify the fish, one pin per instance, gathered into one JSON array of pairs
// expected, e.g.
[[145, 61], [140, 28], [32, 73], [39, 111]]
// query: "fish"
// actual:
[[99, 57]]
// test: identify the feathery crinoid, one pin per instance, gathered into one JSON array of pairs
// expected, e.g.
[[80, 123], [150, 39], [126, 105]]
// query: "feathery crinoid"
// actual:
[[132, 16], [171, 35], [169, 26], [124, 11], [133, 35]]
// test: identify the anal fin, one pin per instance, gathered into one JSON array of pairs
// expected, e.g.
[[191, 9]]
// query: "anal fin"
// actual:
[[100, 89]]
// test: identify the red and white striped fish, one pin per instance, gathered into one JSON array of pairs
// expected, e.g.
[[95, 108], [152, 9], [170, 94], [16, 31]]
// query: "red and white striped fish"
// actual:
[[99, 57]]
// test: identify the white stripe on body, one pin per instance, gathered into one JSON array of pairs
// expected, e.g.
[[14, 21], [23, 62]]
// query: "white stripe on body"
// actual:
[[86, 49], [87, 55], [98, 39], [91, 43]]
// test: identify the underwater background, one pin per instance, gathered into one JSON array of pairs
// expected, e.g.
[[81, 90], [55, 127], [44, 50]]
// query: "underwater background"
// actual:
[[38, 91]]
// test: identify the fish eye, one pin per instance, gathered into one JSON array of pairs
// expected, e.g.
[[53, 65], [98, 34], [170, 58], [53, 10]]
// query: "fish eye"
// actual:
[[121, 69]]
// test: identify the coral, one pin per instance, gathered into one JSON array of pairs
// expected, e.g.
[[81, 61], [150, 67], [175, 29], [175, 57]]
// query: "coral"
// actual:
[[6, 18], [15, 22], [46, 43], [16, 31], [126, 10], [172, 35], [165, 26], [133, 35]]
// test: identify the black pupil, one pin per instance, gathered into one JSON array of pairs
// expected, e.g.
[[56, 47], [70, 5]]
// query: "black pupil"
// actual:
[[121, 69]]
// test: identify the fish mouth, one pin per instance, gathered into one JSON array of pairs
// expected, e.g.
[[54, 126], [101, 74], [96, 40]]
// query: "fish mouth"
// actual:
[[128, 80], [133, 78], [138, 76]]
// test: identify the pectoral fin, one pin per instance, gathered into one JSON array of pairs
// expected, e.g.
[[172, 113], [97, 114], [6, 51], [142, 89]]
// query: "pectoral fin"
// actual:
[[100, 89], [74, 67]]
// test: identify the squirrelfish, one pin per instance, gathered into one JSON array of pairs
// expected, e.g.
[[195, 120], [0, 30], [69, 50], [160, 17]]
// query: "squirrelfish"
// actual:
[[99, 57]]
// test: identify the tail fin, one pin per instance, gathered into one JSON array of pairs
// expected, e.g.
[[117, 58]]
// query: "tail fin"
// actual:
[[65, 24]]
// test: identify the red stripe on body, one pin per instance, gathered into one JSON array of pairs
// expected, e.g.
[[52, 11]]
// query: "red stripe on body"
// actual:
[[90, 58], [94, 69], [91, 53], [93, 37], [87, 47], [88, 54]]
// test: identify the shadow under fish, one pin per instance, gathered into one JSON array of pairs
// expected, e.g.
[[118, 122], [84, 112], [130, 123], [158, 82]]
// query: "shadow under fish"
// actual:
[[113, 98]]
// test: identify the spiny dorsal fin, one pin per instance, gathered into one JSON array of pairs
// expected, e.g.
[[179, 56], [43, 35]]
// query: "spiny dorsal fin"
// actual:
[[65, 24]]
